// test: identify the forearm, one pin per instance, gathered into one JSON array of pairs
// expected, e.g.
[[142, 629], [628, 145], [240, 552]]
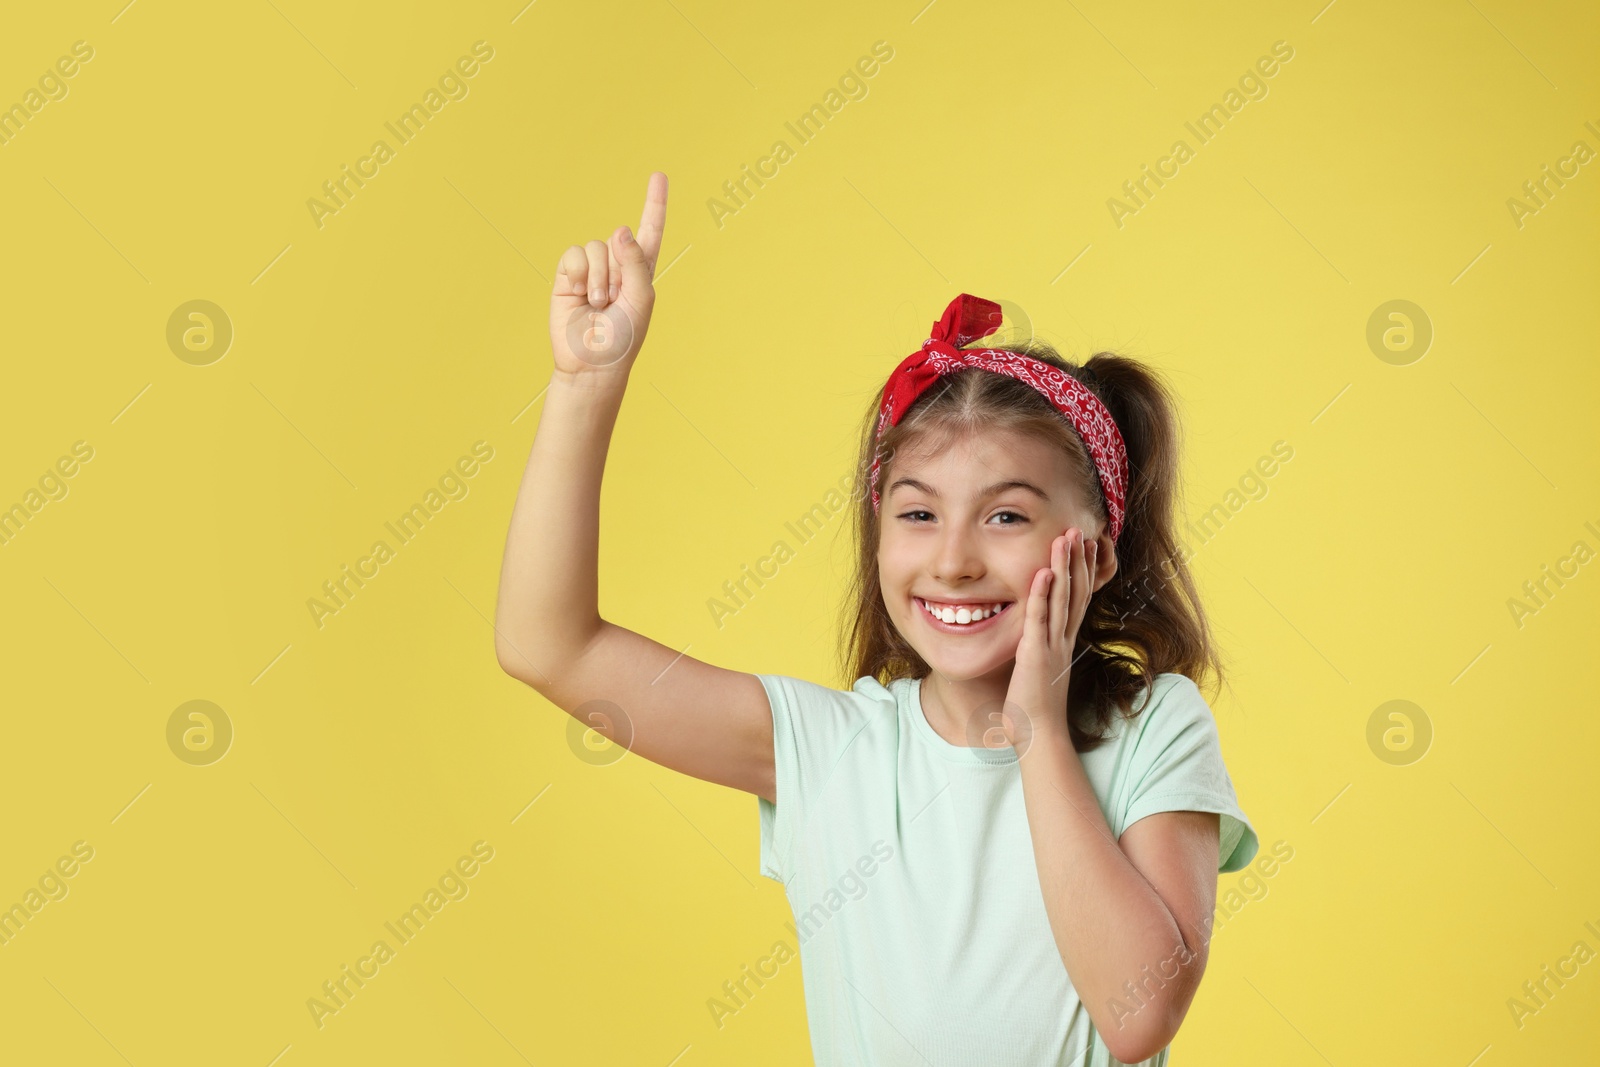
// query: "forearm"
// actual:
[[548, 604], [1112, 928]]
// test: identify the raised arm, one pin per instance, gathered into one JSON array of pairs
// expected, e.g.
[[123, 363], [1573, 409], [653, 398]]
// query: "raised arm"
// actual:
[[701, 720]]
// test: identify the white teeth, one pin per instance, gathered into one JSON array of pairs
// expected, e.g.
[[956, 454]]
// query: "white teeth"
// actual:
[[962, 615]]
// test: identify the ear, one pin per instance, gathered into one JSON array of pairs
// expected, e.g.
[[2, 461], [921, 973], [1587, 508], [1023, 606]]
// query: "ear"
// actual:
[[1105, 561]]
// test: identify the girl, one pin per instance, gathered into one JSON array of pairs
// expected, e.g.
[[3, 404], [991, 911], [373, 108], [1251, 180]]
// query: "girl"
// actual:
[[1001, 843]]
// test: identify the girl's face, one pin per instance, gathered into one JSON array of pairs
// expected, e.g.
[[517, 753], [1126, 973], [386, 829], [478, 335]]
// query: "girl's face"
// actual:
[[969, 527]]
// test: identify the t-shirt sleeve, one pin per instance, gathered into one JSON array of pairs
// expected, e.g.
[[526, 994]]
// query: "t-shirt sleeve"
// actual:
[[812, 726], [1177, 765]]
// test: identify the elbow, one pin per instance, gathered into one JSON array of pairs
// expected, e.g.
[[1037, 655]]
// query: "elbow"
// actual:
[[538, 659], [514, 661], [504, 653], [1135, 1048], [1141, 1034]]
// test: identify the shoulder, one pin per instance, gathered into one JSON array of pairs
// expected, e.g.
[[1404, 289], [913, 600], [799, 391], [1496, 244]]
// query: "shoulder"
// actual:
[[804, 709], [815, 728], [1172, 696], [1170, 686], [799, 696], [1169, 707]]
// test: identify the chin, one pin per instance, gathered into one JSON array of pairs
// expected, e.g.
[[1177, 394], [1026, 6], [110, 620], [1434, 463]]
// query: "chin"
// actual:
[[968, 672], [957, 667]]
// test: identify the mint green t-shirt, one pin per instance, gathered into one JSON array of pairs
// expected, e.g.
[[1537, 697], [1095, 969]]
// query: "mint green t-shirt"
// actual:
[[909, 865]]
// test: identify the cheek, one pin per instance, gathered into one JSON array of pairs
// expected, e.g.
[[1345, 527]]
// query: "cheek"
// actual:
[[890, 584], [1019, 566], [893, 567]]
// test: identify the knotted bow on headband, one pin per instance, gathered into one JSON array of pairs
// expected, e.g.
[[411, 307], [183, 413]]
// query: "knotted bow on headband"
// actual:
[[966, 320]]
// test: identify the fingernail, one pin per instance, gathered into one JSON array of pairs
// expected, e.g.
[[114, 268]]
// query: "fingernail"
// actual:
[[627, 236]]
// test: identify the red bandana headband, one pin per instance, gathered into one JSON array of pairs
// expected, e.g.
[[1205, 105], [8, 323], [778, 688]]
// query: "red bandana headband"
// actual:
[[966, 320]]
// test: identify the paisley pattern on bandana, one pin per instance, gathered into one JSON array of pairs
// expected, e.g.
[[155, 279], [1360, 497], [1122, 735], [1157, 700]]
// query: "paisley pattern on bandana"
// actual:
[[967, 319]]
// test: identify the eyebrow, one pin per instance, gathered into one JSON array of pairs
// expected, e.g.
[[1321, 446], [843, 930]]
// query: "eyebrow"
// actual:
[[984, 493]]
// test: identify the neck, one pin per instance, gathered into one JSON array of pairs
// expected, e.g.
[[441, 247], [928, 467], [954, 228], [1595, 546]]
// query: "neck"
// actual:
[[962, 711]]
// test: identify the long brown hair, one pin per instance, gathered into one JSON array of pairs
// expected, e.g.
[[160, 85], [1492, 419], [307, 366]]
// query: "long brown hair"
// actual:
[[1147, 620]]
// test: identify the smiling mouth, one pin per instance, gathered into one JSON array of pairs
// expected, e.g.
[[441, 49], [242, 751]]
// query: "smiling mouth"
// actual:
[[963, 618]]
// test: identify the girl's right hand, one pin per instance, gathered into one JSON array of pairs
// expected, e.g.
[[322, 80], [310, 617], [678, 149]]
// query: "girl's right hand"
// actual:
[[604, 293]]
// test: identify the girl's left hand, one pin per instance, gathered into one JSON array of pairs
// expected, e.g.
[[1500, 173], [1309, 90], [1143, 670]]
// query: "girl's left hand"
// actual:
[[1058, 598]]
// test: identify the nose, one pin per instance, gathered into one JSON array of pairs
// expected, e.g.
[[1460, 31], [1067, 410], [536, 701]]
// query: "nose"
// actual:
[[956, 557]]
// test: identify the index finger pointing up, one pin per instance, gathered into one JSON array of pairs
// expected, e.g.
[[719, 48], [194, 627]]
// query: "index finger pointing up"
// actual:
[[654, 218]]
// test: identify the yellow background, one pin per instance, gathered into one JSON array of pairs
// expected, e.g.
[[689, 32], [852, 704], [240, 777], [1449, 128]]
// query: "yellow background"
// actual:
[[369, 354]]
